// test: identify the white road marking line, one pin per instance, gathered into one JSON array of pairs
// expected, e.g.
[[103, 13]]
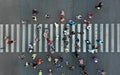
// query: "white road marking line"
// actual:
[[34, 37], [18, 38], [118, 37], [41, 36], [40, 50], [73, 40], [46, 43], [51, 32], [12, 37], [23, 37], [29, 33], [95, 33], [68, 46], [90, 35], [101, 36], [57, 40], [112, 37], [107, 38], [7, 34], [84, 38], [79, 37], [1, 37], [62, 44]]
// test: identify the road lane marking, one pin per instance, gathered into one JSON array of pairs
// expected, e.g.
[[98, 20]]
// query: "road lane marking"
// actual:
[[51, 32], [7, 34], [18, 38], [107, 38], [84, 37], [78, 35], [73, 39], [118, 37], [112, 37], [62, 44], [46, 43], [95, 34], [101, 36], [12, 37], [1, 37], [57, 39], [41, 36], [90, 35], [34, 37], [29, 35], [23, 37]]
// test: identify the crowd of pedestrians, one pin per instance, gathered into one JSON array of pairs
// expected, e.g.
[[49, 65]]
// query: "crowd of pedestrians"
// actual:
[[67, 35]]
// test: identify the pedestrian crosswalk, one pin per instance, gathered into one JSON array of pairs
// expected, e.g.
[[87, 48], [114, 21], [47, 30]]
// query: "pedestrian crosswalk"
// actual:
[[23, 34]]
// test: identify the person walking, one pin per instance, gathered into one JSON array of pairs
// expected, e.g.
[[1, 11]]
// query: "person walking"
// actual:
[[85, 73], [34, 56], [100, 41], [35, 12], [56, 25], [21, 56], [34, 18], [9, 41], [99, 6], [87, 22], [90, 15], [40, 72], [62, 13], [101, 71], [50, 72], [62, 19], [78, 17], [27, 64], [92, 51], [47, 16]]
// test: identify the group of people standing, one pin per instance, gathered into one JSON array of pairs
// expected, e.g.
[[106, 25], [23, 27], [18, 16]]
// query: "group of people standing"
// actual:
[[58, 60]]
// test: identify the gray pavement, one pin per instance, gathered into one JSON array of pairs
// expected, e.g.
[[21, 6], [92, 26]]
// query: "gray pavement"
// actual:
[[11, 64], [13, 11]]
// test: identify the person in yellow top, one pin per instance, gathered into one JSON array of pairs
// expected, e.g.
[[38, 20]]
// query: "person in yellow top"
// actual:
[[40, 72]]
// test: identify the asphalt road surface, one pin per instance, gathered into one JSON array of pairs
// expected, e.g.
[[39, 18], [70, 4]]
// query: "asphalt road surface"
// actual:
[[13, 11]]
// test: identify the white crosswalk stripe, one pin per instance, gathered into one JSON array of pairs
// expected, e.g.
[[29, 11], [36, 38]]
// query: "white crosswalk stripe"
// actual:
[[23, 37], [118, 37], [84, 38], [106, 34], [62, 44], [29, 33], [46, 43], [18, 38], [90, 33], [112, 37], [35, 35], [101, 36], [95, 34], [79, 37], [40, 35], [7, 34], [68, 30], [73, 40], [1, 38], [57, 39], [12, 36], [107, 38]]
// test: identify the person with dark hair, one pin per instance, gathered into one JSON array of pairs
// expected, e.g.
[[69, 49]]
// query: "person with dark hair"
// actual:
[[85, 73], [99, 5], [47, 16], [34, 12]]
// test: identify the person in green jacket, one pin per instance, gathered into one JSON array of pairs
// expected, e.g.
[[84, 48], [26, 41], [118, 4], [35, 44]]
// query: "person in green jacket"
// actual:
[[40, 72]]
